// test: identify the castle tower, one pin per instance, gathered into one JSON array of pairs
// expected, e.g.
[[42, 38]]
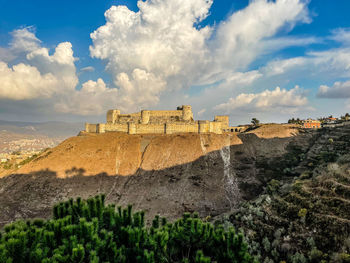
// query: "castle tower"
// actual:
[[112, 116], [187, 114], [101, 128], [145, 115]]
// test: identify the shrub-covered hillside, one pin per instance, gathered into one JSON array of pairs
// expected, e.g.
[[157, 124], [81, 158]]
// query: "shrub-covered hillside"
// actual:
[[304, 214], [90, 231]]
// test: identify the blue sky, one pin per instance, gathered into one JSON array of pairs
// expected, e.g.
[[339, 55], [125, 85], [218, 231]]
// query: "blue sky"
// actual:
[[73, 21], [226, 71]]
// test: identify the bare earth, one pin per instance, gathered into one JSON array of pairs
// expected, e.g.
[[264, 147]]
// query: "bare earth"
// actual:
[[162, 174]]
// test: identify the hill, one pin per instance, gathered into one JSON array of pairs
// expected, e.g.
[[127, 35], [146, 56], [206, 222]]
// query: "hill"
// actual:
[[286, 188], [167, 174]]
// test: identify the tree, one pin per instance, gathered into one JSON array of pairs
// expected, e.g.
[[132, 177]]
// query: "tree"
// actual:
[[90, 231], [291, 121], [255, 122]]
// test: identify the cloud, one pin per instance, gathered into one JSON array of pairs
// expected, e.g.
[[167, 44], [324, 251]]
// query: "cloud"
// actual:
[[135, 91], [24, 40], [22, 82], [332, 63], [41, 75], [5, 55], [277, 99], [163, 40], [159, 50], [279, 67], [95, 97], [160, 40], [240, 39], [279, 43], [91, 99], [341, 35], [87, 69], [201, 112], [339, 90]]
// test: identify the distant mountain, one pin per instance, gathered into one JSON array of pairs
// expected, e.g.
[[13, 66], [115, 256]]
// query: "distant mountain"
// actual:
[[50, 129]]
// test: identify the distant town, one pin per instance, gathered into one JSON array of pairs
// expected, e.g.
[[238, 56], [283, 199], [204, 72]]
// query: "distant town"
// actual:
[[15, 149], [329, 121]]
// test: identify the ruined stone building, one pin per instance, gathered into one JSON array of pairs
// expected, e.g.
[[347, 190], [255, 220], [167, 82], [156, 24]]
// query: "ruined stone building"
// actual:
[[159, 122]]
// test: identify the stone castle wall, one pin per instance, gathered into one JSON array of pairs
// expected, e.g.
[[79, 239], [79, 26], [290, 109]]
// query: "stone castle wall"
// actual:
[[158, 122], [91, 128], [165, 113]]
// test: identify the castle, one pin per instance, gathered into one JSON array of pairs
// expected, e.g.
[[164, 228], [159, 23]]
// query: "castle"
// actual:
[[159, 122]]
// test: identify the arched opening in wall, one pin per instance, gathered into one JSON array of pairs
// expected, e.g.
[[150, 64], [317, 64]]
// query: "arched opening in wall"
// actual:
[[231, 130]]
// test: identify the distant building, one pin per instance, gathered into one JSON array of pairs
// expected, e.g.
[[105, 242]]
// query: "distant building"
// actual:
[[311, 124], [331, 120]]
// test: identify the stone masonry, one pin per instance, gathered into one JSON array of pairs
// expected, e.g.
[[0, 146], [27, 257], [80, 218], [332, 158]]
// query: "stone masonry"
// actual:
[[159, 122]]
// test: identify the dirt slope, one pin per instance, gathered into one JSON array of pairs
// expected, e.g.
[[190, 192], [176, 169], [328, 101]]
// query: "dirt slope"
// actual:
[[276, 130], [162, 174], [122, 154]]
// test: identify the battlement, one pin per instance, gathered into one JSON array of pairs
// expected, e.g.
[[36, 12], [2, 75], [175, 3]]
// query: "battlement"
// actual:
[[158, 122]]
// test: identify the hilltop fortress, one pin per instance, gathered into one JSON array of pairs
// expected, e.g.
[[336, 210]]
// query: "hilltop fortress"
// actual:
[[160, 122]]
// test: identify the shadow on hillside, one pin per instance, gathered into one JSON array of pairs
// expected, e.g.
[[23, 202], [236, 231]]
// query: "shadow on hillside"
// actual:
[[213, 184]]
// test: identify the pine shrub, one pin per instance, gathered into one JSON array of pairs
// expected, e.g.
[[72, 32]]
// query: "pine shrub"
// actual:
[[90, 231]]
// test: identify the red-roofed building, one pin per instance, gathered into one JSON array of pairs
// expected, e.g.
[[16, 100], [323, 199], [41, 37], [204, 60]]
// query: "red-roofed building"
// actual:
[[311, 124]]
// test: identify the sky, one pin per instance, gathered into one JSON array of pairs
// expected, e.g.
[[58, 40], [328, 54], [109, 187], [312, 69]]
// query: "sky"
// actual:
[[271, 60]]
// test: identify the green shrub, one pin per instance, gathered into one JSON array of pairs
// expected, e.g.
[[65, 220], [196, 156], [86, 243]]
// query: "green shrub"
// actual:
[[315, 255], [90, 231], [273, 186], [7, 166], [302, 212], [28, 160], [305, 175], [344, 159], [328, 156]]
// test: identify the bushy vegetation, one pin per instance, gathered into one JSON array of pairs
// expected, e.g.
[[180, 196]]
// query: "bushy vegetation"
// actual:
[[7, 165], [295, 121], [90, 231], [303, 215], [28, 160]]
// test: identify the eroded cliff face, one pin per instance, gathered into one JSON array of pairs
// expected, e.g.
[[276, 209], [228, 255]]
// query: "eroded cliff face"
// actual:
[[163, 174]]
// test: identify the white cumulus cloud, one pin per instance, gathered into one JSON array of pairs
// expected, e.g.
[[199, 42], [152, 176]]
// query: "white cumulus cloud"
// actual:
[[41, 75], [268, 100], [25, 82], [158, 50], [159, 42], [24, 40], [88, 100], [163, 40]]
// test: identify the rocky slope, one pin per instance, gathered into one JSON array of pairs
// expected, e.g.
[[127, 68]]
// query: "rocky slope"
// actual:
[[163, 174], [287, 189], [303, 215]]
